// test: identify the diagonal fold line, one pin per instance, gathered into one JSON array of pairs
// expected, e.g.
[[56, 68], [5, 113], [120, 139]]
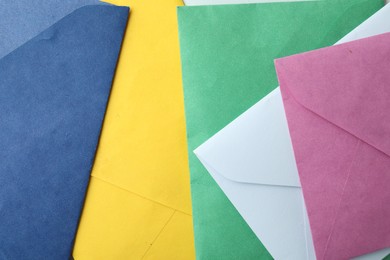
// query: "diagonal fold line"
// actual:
[[139, 195], [158, 235], [341, 198]]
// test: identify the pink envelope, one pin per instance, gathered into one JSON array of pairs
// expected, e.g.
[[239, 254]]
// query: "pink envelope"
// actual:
[[337, 102]]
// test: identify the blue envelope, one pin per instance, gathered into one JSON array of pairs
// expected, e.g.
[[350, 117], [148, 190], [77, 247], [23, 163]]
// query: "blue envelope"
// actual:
[[53, 95], [22, 20]]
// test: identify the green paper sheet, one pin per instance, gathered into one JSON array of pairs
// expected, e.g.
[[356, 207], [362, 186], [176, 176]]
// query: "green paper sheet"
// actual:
[[227, 55]]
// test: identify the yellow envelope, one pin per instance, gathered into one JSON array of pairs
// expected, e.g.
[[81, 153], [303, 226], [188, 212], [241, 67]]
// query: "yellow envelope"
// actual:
[[138, 203]]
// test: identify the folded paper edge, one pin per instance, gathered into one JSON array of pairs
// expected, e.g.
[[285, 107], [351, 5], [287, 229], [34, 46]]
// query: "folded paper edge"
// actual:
[[280, 68], [92, 8], [104, 5]]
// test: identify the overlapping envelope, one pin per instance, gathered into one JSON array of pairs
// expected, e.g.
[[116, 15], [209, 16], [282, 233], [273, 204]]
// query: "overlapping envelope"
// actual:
[[336, 101], [254, 155], [53, 94], [138, 203], [226, 68]]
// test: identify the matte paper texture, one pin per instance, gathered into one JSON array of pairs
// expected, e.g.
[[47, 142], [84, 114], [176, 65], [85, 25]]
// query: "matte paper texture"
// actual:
[[53, 95], [222, 2], [138, 204], [336, 101], [262, 180], [22, 20], [227, 57], [252, 160]]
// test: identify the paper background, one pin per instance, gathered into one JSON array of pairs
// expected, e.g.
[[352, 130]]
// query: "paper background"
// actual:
[[138, 203], [217, 45]]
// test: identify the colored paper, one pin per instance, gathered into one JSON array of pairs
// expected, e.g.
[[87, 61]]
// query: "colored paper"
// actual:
[[253, 157], [52, 104], [383, 254], [22, 20], [226, 68], [335, 100], [262, 181], [222, 2], [141, 161]]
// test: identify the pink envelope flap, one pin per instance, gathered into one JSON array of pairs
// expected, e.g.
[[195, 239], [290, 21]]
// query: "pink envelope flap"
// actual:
[[342, 91], [353, 94]]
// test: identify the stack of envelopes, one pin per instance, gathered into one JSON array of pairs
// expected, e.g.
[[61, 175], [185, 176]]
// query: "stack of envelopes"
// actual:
[[61, 59], [314, 186], [91, 98]]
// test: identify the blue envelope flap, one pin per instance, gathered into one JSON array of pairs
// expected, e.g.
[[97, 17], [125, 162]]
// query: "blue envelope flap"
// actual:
[[53, 96], [22, 20]]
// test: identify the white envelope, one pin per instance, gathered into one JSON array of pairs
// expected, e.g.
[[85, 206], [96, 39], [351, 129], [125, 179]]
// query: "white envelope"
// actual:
[[252, 160]]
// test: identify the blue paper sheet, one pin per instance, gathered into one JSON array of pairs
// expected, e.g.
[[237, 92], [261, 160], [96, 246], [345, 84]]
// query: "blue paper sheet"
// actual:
[[53, 95], [21, 20]]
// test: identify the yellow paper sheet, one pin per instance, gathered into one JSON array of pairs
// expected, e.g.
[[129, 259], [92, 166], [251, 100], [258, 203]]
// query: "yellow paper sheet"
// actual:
[[138, 203]]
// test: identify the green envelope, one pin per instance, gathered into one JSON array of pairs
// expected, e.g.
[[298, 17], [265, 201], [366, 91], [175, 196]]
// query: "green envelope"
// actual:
[[227, 55]]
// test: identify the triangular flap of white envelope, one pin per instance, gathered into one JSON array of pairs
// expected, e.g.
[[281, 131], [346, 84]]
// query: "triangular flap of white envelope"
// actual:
[[250, 168], [253, 148], [247, 151]]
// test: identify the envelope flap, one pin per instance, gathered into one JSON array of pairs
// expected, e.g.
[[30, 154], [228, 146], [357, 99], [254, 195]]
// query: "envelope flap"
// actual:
[[22, 20], [347, 84], [53, 95], [255, 148]]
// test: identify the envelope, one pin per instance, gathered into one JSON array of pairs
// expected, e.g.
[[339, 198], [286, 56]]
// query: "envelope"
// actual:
[[251, 149], [262, 181], [52, 104], [138, 203], [335, 100], [226, 68], [22, 20]]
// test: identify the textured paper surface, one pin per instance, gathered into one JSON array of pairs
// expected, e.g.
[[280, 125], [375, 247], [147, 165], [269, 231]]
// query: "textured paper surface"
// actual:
[[51, 111], [380, 254], [21, 20], [335, 101], [142, 156], [249, 151], [262, 181], [221, 2], [226, 68]]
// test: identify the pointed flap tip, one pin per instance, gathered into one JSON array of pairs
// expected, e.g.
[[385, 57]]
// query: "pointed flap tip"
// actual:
[[255, 148]]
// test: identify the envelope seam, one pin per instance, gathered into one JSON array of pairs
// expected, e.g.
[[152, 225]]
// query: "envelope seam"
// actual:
[[141, 196], [320, 115], [205, 163], [158, 235], [341, 198]]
